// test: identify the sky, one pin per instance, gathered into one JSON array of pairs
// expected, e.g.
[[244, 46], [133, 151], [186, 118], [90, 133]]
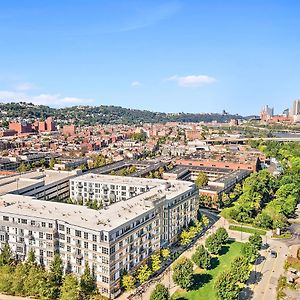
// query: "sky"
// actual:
[[170, 56]]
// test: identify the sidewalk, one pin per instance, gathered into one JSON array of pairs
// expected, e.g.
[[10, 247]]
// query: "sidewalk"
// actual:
[[6, 297]]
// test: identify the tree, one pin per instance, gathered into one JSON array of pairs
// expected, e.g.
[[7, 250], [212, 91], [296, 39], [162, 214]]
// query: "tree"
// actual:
[[22, 168], [213, 244], [51, 289], [160, 293], [87, 282], [6, 256], [225, 199], [185, 237], [56, 270], [238, 189], [183, 273], [128, 282], [31, 260], [144, 273], [6, 279], [226, 286], [240, 269], [155, 262], [201, 180], [19, 277], [34, 281], [165, 253], [263, 220], [222, 235], [256, 240], [52, 163], [250, 252], [202, 258], [205, 220], [70, 288]]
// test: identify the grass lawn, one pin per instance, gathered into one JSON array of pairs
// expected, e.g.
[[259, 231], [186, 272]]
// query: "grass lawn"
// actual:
[[247, 229], [204, 280]]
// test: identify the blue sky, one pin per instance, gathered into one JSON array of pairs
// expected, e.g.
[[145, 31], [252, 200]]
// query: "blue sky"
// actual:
[[172, 56]]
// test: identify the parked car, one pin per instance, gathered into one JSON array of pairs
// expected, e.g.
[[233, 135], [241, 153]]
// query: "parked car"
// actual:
[[273, 253]]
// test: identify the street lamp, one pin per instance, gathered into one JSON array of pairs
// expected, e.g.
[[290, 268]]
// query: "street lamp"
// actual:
[[242, 232]]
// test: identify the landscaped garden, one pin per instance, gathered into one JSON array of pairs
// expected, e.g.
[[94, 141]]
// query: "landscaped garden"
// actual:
[[247, 229], [204, 280]]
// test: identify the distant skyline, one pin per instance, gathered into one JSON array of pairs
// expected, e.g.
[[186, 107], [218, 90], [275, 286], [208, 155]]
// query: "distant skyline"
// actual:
[[169, 56]]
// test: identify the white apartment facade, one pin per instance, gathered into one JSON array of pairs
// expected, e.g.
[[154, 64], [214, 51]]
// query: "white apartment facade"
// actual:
[[116, 238]]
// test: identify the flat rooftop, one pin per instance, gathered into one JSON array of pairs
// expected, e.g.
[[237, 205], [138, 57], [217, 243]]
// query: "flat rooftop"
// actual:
[[9, 184], [180, 168], [107, 219], [119, 180]]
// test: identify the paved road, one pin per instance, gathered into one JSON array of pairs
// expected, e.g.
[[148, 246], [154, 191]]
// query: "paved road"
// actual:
[[267, 270]]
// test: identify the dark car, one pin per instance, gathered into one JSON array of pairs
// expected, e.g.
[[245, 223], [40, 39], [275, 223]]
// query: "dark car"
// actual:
[[273, 253]]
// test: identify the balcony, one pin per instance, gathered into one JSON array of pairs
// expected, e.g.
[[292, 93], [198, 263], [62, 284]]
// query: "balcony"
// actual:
[[78, 255]]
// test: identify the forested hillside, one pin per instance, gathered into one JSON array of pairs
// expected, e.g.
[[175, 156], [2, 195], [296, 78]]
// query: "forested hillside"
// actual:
[[90, 115]]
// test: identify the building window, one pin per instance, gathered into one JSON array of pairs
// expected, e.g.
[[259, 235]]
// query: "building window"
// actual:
[[112, 249], [86, 245], [49, 254], [41, 235], [68, 239], [43, 224], [48, 236], [32, 223], [94, 238], [68, 248], [104, 250], [78, 233], [5, 218], [19, 249], [104, 260], [105, 279], [94, 247], [68, 230], [86, 235], [61, 227], [50, 225]]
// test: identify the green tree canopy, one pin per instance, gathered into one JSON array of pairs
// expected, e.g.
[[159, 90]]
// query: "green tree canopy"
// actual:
[[201, 180], [256, 240], [87, 282], [226, 286], [250, 252], [202, 258], [70, 288], [222, 235], [183, 273], [128, 282], [213, 244], [160, 293], [6, 256]]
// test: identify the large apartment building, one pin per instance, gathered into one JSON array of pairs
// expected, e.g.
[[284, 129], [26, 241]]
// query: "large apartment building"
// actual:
[[108, 189], [41, 184], [116, 238]]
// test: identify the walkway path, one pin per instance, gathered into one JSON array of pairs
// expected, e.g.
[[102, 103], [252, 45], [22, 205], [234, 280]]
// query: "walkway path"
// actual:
[[166, 277]]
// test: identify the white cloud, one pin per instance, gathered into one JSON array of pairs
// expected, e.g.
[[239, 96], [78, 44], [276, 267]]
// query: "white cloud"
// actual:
[[135, 83], [44, 99], [25, 86], [192, 80]]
